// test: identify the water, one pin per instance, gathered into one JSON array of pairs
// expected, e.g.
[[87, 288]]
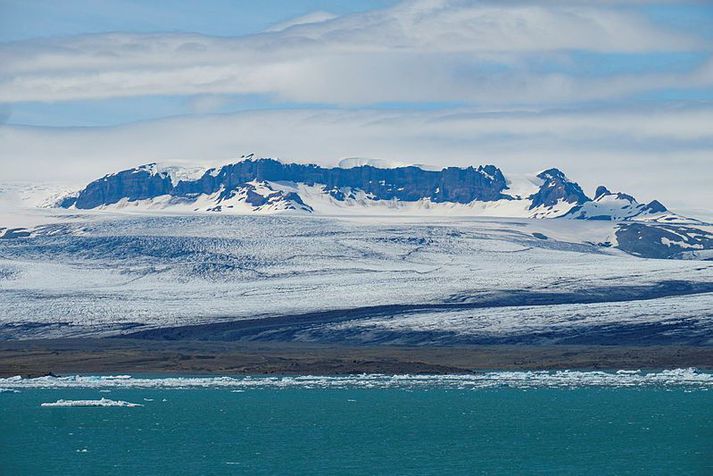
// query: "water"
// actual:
[[433, 427]]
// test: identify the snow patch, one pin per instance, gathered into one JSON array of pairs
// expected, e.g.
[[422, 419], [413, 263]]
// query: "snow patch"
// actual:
[[681, 244], [177, 173], [352, 162], [522, 186]]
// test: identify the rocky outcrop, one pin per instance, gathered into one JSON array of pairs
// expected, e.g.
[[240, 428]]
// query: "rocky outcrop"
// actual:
[[135, 184], [557, 188], [457, 185], [601, 191], [453, 184], [612, 206], [654, 206], [665, 241], [267, 185]]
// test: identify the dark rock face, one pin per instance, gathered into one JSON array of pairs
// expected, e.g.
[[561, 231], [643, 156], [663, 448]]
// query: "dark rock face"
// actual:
[[291, 199], [655, 207], [557, 187], [403, 183], [618, 206], [662, 241], [258, 183], [601, 191], [619, 196], [485, 183], [135, 184]]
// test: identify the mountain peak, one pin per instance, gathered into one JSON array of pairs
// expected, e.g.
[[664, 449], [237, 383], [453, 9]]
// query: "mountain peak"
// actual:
[[655, 206], [603, 194], [555, 189], [601, 191]]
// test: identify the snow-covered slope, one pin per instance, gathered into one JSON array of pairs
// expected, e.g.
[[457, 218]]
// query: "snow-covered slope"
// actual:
[[259, 197], [394, 279], [621, 206]]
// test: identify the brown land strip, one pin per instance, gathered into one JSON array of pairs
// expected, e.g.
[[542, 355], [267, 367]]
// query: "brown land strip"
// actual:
[[104, 356]]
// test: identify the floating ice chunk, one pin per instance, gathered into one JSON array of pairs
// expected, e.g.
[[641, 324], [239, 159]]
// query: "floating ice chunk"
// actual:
[[516, 379], [104, 402]]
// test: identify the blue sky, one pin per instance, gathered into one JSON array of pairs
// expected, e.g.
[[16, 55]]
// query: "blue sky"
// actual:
[[26, 19], [32, 19], [631, 83]]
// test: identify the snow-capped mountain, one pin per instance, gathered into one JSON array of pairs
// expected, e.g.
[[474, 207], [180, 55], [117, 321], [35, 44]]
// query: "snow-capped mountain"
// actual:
[[403, 249], [620, 206], [268, 186], [361, 188]]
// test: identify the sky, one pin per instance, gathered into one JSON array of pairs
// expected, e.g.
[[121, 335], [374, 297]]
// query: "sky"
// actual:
[[612, 92]]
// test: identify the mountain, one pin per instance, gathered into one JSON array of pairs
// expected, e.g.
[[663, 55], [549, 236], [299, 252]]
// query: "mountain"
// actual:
[[618, 206], [268, 186], [410, 266]]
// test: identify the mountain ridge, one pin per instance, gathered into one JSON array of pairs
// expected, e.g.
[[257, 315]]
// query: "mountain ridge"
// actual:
[[266, 185]]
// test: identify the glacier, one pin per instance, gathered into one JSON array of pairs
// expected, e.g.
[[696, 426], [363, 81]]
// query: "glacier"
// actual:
[[344, 279], [267, 251]]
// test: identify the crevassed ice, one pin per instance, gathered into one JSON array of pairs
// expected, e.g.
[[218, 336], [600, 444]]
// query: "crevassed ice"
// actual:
[[518, 379]]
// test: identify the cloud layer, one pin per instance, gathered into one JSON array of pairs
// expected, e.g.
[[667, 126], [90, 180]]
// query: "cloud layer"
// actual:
[[422, 50]]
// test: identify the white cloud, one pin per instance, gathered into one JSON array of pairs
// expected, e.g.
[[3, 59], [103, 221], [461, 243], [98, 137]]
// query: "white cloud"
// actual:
[[658, 153], [314, 17], [426, 50], [206, 104]]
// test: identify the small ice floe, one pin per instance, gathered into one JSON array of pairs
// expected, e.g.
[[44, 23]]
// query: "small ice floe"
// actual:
[[148, 399], [104, 402], [8, 390]]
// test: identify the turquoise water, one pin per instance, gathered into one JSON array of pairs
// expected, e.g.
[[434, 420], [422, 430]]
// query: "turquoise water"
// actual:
[[425, 430]]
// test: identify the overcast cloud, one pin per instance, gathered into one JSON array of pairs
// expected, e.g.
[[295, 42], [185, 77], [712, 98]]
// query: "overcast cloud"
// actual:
[[432, 50]]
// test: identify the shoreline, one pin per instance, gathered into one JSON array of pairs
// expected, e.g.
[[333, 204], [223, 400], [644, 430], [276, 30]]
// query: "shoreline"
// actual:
[[33, 358]]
